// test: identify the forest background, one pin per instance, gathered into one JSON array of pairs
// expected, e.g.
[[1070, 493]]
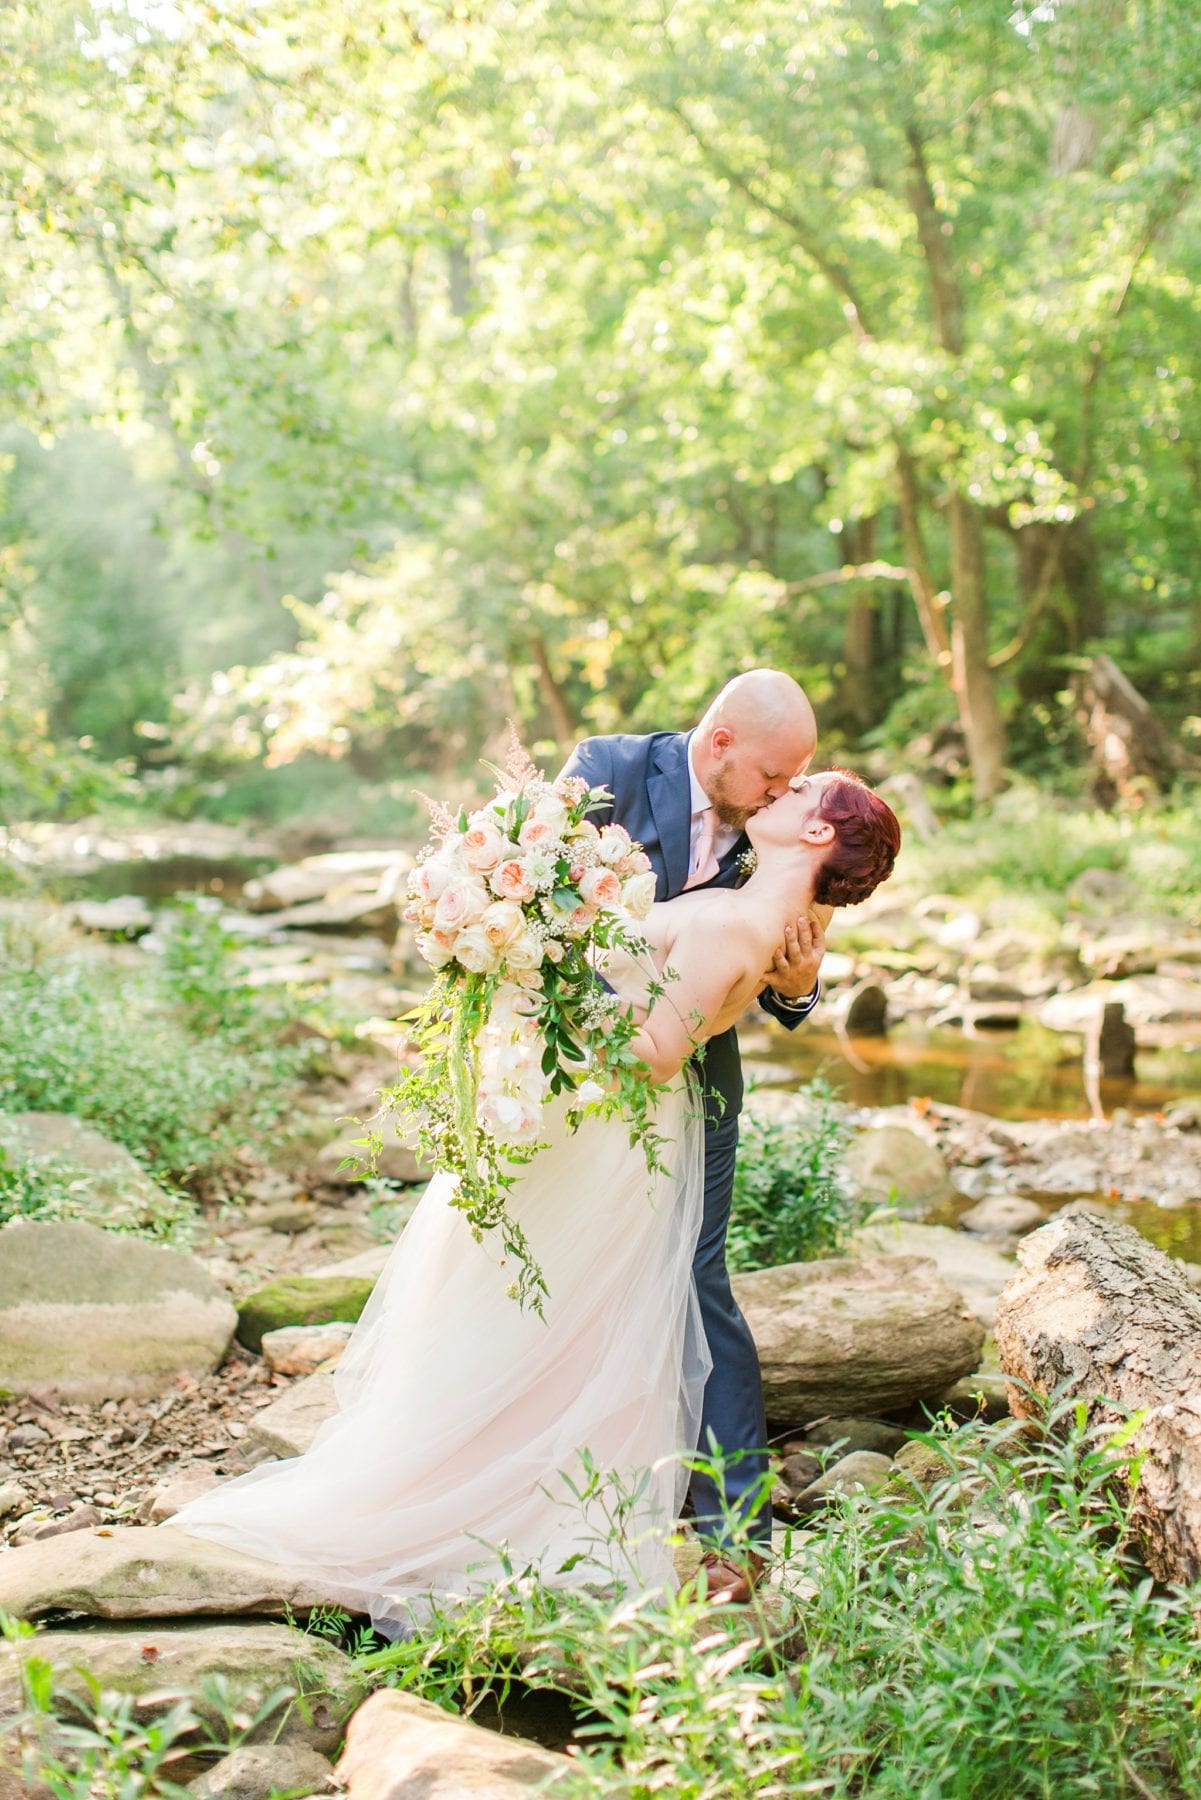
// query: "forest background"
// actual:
[[372, 373]]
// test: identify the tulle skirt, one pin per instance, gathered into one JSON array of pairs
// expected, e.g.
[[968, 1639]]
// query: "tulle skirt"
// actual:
[[474, 1439]]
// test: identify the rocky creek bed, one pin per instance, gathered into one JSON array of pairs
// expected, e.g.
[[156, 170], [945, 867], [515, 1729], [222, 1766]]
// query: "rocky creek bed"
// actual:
[[859, 1351]]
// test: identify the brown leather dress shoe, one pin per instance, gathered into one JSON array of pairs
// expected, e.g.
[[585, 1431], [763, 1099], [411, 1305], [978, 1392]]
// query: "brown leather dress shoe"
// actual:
[[731, 1578]]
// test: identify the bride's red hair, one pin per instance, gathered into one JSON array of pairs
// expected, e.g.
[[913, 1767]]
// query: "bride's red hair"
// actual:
[[867, 840]]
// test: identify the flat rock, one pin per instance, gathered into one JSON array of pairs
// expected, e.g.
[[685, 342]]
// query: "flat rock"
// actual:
[[890, 1162], [301, 1349], [288, 1426], [400, 1747], [156, 1662], [976, 1270], [856, 1434], [265, 1772], [118, 1186], [186, 1485], [100, 1316], [337, 875], [998, 1214], [148, 1572], [855, 1338], [857, 1473], [369, 1263], [1148, 1000], [376, 911], [126, 916], [397, 1161]]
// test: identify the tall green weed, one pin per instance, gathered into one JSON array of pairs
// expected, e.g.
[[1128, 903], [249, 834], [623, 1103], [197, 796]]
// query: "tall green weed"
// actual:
[[169, 1057], [991, 1639]]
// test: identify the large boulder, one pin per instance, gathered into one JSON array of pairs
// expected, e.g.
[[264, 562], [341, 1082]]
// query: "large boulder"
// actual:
[[890, 1162], [869, 1337], [119, 1191], [157, 1662], [977, 1271], [301, 1300], [149, 1572], [400, 1747], [100, 1316]]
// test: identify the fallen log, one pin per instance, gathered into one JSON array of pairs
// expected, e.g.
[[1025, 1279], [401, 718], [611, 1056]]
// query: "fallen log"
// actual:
[[1101, 1315]]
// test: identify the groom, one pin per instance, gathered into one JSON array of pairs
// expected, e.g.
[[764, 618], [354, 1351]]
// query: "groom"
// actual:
[[686, 796]]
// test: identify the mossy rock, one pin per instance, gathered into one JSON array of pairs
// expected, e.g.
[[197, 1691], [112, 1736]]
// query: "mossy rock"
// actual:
[[301, 1300]]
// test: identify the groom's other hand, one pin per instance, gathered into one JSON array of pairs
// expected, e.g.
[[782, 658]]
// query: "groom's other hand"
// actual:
[[794, 968]]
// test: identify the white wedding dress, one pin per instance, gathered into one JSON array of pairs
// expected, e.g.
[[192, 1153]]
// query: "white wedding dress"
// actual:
[[464, 1421]]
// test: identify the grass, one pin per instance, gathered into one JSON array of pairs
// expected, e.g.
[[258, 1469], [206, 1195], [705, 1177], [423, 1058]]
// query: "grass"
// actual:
[[1029, 845], [991, 1639], [90, 1743], [791, 1202], [168, 1056]]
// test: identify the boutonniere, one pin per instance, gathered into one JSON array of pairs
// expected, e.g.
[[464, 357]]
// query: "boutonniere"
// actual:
[[748, 862]]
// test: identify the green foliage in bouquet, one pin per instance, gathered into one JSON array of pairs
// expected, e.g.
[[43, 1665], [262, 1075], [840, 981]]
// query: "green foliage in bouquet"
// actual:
[[516, 906]]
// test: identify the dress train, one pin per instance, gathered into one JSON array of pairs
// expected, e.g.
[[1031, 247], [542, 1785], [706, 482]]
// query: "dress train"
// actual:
[[464, 1423]]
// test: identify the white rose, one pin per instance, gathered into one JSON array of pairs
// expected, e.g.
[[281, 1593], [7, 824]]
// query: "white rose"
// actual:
[[511, 1006], [482, 844], [429, 879], [589, 1093], [475, 950], [524, 953], [614, 844], [509, 1118], [436, 954], [638, 893], [548, 809], [459, 904], [501, 922]]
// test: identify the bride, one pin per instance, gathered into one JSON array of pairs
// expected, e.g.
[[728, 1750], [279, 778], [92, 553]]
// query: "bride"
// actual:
[[474, 1439]]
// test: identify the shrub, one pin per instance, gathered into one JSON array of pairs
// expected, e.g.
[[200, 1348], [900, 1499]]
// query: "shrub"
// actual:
[[791, 1202], [169, 1059], [991, 1639]]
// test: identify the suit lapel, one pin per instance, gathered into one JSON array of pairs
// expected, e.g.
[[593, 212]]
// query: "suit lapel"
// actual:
[[670, 795]]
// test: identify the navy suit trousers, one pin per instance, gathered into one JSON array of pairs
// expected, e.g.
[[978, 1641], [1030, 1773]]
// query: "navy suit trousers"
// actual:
[[732, 1414]]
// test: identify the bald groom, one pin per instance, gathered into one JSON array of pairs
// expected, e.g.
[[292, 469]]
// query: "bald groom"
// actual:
[[686, 797]]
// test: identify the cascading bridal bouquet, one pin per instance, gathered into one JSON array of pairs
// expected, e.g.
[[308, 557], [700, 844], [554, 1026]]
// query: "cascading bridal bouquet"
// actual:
[[515, 904]]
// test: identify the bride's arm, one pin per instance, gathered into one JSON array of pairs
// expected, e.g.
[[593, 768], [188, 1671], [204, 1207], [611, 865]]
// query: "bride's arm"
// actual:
[[707, 966]]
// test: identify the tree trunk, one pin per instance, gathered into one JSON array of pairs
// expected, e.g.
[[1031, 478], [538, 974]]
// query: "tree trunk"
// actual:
[[866, 689], [1098, 1314], [564, 723], [971, 674], [1130, 750]]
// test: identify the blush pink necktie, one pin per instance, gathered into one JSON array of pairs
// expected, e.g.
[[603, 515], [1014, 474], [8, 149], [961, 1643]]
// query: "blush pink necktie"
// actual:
[[704, 862]]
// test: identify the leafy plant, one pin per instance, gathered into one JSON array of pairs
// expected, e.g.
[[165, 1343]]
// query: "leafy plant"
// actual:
[[156, 1066], [791, 1202], [991, 1637]]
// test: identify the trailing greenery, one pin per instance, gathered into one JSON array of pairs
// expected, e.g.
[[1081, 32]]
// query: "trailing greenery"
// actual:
[[991, 1639], [791, 1201], [168, 1055]]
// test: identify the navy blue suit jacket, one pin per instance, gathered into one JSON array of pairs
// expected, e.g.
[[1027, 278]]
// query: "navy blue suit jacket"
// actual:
[[652, 797]]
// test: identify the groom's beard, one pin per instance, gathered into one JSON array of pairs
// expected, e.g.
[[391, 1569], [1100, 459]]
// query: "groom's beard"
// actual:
[[735, 817]]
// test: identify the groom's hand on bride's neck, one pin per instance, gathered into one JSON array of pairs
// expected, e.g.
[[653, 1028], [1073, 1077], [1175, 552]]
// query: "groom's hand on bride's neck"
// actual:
[[794, 968]]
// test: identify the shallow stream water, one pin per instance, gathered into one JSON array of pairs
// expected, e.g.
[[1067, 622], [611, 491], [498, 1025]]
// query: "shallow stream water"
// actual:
[[1026, 1073]]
